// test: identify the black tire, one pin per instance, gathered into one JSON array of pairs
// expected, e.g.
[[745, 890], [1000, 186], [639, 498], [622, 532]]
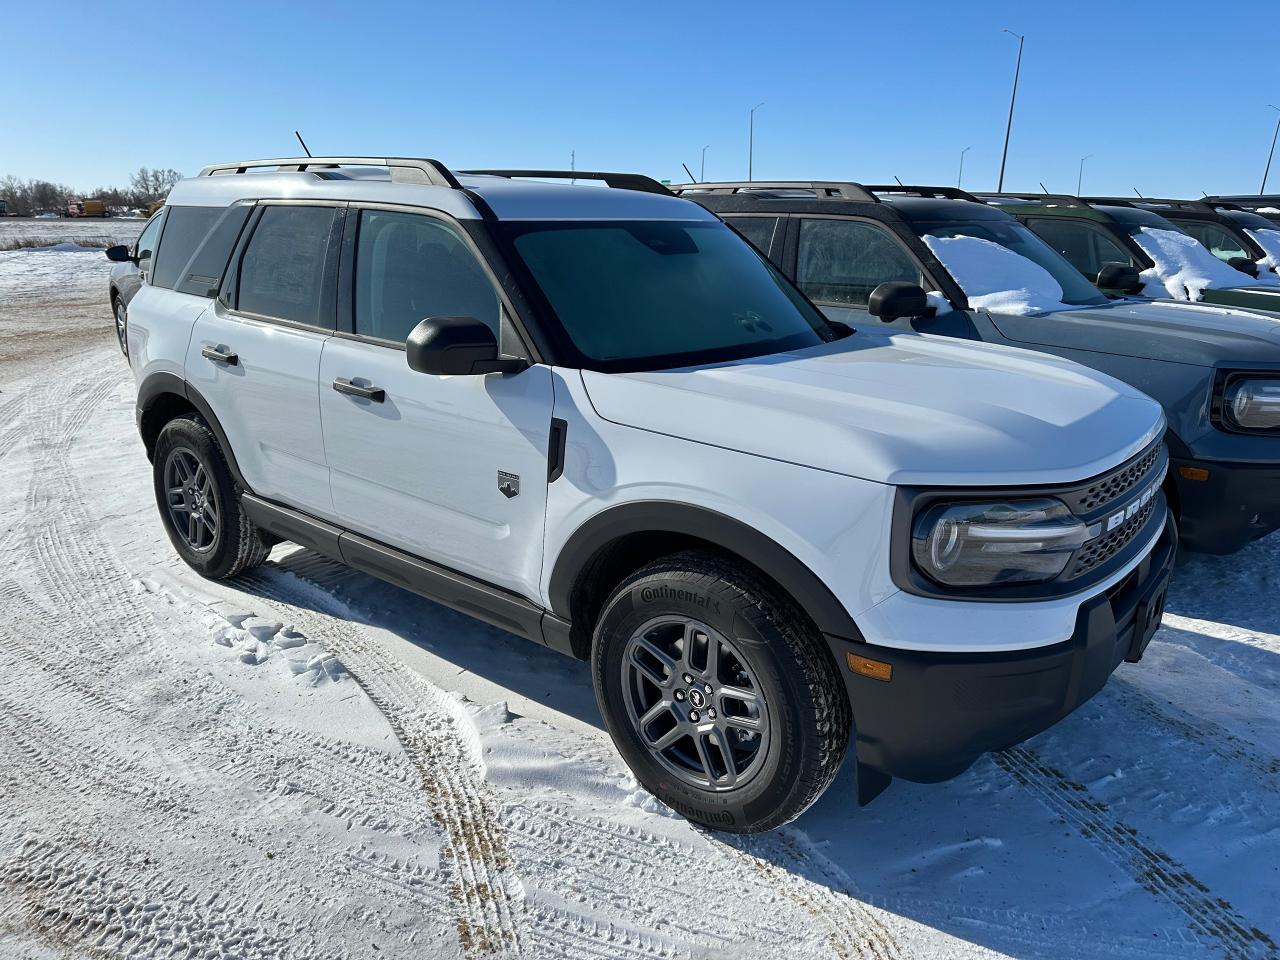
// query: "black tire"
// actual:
[[807, 708], [233, 544], [118, 312]]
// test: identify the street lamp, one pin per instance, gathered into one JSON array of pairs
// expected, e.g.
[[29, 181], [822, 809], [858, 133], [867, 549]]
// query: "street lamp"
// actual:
[[1080, 175], [1017, 71], [1272, 153], [702, 171], [751, 139], [960, 178]]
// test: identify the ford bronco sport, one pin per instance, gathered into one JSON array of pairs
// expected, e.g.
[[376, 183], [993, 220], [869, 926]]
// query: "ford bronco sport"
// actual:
[[872, 252], [598, 419]]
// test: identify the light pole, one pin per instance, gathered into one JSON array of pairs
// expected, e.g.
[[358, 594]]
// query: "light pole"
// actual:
[[1080, 175], [1272, 153], [751, 139], [1017, 71], [960, 178], [702, 171]]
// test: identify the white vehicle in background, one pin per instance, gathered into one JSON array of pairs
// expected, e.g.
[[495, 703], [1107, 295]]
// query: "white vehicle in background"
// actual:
[[599, 419]]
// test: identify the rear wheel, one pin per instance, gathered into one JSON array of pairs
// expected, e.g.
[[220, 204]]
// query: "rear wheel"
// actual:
[[199, 502], [120, 312], [719, 693]]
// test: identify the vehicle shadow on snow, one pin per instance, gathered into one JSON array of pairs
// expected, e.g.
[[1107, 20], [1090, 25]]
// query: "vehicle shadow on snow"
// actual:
[[970, 857]]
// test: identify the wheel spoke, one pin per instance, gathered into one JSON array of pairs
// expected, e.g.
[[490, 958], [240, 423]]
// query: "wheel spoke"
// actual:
[[672, 736], [654, 712], [669, 665], [209, 525], [720, 741], [192, 530], [742, 723], [704, 757], [741, 694]]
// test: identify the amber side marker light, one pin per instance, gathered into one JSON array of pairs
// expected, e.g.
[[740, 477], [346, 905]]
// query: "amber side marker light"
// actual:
[[870, 668], [1193, 473]]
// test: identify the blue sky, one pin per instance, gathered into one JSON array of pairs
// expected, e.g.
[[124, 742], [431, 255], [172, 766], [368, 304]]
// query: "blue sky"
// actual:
[[852, 90]]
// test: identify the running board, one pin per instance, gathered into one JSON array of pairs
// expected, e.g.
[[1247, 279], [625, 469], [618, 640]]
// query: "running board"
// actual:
[[478, 599]]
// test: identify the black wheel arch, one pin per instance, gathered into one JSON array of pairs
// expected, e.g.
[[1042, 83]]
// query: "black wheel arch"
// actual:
[[163, 396], [647, 529]]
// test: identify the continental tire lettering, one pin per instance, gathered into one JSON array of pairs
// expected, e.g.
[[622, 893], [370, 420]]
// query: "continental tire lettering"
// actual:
[[664, 592]]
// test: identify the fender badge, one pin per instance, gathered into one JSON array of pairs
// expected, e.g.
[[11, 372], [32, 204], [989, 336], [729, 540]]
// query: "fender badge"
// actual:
[[508, 484]]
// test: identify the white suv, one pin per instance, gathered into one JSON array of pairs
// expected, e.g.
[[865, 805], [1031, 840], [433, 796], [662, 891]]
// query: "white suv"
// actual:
[[599, 419]]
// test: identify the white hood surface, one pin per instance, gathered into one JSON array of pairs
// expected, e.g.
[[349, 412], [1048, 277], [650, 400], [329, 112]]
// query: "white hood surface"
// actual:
[[907, 409]]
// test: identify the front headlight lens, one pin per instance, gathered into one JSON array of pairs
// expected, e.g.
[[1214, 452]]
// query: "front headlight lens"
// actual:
[[996, 542], [1254, 404]]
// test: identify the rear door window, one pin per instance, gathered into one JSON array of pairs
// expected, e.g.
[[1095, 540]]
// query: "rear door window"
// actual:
[[1220, 242], [282, 272], [184, 230], [1085, 246], [203, 273], [842, 261]]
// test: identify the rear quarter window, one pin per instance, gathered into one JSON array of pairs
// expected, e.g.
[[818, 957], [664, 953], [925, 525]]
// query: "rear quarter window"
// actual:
[[204, 272], [184, 230]]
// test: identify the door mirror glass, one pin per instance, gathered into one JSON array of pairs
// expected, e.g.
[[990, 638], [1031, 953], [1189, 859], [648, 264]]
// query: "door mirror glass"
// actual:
[[896, 300], [456, 346], [119, 254], [1119, 276]]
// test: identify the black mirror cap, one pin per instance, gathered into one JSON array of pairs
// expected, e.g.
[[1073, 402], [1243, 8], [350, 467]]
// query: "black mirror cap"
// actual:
[[119, 254], [1244, 265], [456, 346], [896, 299], [1119, 276]]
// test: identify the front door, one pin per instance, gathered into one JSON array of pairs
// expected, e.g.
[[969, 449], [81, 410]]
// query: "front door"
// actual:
[[452, 469]]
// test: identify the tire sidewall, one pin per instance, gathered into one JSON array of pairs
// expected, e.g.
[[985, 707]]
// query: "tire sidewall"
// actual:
[[726, 610]]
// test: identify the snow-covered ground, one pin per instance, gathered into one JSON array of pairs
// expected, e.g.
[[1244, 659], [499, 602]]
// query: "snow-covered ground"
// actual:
[[18, 232], [305, 762]]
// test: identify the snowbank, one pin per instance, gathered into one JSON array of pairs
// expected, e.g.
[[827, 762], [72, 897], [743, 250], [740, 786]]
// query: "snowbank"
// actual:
[[1184, 268], [995, 278]]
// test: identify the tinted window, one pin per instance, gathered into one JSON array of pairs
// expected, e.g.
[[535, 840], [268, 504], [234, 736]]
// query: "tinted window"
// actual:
[[842, 261], [146, 245], [411, 267], [204, 272], [644, 294], [1220, 242], [757, 230], [1085, 246], [184, 229], [282, 272]]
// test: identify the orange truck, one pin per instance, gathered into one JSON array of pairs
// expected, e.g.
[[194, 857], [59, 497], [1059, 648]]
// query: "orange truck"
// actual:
[[86, 208]]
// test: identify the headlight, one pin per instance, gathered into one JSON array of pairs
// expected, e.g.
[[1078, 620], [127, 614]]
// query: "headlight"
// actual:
[[1253, 403], [996, 542]]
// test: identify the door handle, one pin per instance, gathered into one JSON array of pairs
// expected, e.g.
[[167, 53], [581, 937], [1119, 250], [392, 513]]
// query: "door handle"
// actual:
[[343, 385], [217, 356]]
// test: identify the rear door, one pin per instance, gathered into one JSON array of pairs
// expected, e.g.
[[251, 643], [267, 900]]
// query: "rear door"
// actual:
[[452, 469], [255, 355]]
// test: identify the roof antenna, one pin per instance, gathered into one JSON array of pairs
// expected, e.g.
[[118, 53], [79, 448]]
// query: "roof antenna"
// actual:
[[1203, 191], [573, 166], [692, 178], [1042, 186], [1140, 196], [899, 179], [303, 142]]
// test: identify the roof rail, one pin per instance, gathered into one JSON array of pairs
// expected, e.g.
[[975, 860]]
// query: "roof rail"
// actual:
[[619, 181], [912, 190], [822, 189], [402, 169], [1152, 202], [1061, 199], [1246, 200]]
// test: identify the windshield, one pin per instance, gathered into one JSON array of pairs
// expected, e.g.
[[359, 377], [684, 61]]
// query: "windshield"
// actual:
[[1013, 236], [631, 295]]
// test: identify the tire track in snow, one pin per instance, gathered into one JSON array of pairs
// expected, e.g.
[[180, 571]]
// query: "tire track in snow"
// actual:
[[435, 733], [1208, 916]]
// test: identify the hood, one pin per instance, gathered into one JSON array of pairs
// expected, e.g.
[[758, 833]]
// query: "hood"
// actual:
[[909, 409], [1194, 333]]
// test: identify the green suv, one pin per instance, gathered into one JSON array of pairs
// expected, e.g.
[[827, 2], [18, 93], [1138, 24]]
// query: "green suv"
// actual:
[[1099, 238]]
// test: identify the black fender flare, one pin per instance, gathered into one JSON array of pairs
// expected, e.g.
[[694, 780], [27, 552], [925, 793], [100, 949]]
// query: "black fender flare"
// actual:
[[659, 516], [161, 383]]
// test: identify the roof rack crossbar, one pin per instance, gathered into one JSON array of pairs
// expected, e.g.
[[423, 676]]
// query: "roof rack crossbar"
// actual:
[[618, 181], [914, 190], [402, 169], [823, 189]]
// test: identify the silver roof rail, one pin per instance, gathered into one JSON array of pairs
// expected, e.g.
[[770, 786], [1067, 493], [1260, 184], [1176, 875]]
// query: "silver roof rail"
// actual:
[[402, 169], [822, 189]]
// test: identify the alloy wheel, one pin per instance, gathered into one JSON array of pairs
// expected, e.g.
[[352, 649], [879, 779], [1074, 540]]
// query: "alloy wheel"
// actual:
[[193, 505]]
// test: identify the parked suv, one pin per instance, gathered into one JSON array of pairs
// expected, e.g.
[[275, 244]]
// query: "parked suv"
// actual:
[[600, 420], [130, 265], [871, 252], [1208, 263], [1263, 204]]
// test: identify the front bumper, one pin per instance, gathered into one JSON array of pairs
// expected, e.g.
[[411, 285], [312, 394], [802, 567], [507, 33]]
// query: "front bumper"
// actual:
[[1236, 504], [940, 711]]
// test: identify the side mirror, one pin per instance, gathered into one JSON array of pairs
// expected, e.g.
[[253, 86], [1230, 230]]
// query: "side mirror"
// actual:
[[457, 346], [119, 254], [1244, 265], [1119, 276], [895, 300]]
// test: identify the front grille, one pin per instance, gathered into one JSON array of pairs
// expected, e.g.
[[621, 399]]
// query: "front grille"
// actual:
[[1116, 485], [1099, 551]]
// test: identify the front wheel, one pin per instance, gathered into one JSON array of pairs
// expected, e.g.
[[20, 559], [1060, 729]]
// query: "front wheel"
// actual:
[[719, 693], [199, 503]]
